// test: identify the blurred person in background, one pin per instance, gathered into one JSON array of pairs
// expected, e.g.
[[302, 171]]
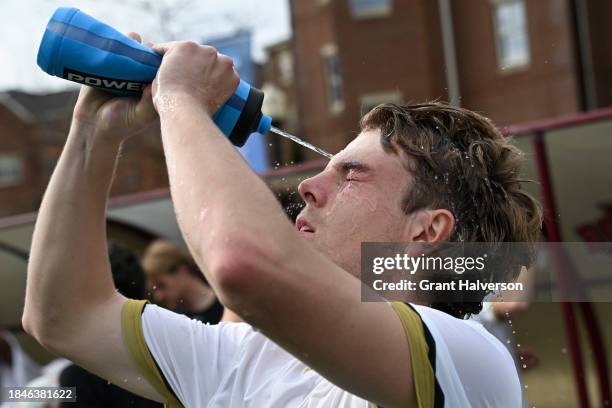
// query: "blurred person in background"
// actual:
[[93, 391], [49, 377], [497, 314], [176, 282], [16, 367]]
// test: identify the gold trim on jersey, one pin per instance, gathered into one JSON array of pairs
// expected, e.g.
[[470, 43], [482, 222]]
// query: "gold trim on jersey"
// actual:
[[422, 372], [133, 337]]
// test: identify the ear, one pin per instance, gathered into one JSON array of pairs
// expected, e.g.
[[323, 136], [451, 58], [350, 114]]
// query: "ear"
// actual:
[[430, 226]]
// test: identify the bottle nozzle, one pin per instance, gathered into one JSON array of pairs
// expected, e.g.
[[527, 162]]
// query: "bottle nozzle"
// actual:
[[265, 123]]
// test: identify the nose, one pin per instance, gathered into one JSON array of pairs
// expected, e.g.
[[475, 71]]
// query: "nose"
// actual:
[[312, 191]]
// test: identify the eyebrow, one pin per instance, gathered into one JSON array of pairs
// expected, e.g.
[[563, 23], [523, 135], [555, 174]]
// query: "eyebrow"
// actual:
[[349, 165]]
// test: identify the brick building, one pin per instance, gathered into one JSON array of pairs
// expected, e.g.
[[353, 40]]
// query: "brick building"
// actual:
[[280, 102], [19, 175], [34, 130], [513, 60]]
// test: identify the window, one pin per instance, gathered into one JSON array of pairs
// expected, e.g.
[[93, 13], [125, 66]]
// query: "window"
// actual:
[[11, 170], [333, 77], [369, 101], [512, 39], [285, 65], [370, 8]]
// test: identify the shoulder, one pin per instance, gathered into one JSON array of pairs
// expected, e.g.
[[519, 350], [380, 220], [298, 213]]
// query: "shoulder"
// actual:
[[459, 333], [468, 355]]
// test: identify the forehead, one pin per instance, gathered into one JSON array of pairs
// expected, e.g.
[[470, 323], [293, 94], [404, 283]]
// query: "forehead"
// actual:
[[367, 149]]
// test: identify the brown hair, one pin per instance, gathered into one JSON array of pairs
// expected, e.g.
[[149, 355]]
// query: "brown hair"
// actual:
[[463, 164], [163, 256]]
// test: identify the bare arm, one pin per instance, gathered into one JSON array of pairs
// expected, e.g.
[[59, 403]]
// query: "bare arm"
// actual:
[[71, 305], [253, 257]]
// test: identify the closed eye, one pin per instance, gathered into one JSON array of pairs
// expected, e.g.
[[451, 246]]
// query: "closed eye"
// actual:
[[352, 175], [352, 170]]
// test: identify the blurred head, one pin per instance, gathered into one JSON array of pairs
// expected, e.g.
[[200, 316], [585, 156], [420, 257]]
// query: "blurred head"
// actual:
[[127, 272], [419, 173], [171, 273]]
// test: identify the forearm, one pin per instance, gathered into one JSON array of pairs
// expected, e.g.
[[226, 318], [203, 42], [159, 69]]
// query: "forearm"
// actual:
[[68, 268], [219, 201]]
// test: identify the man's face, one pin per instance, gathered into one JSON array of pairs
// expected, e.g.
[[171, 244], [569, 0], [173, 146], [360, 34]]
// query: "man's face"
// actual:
[[357, 198], [167, 289]]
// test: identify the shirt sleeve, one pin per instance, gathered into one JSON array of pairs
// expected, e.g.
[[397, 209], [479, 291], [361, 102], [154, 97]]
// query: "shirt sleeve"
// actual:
[[457, 363], [183, 359]]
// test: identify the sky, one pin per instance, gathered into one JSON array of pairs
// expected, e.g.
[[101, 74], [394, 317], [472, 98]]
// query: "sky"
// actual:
[[24, 22]]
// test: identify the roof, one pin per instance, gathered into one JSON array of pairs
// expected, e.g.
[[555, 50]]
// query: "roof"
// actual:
[[31, 108]]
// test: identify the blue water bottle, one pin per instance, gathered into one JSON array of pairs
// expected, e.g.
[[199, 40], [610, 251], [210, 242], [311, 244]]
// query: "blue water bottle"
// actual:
[[79, 48]]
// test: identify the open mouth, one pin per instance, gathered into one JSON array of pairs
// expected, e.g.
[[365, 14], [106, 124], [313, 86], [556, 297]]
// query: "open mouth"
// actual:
[[303, 226]]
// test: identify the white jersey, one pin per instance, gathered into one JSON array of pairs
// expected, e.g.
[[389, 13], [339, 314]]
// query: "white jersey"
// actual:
[[455, 363]]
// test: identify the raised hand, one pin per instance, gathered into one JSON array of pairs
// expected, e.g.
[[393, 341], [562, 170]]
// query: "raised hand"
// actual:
[[114, 117], [195, 72]]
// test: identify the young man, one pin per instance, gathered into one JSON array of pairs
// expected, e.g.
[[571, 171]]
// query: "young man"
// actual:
[[310, 341], [178, 284]]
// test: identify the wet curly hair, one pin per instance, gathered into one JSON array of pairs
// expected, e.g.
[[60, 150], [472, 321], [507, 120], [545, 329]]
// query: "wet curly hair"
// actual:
[[465, 165]]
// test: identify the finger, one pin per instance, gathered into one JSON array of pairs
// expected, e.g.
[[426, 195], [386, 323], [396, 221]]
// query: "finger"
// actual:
[[135, 36], [145, 110], [224, 59], [162, 48]]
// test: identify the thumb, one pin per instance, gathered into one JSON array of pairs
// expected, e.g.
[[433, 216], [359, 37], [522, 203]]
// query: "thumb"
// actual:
[[145, 111]]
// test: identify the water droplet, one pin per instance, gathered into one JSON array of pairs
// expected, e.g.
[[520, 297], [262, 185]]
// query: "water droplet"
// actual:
[[300, 141], [203, 212]]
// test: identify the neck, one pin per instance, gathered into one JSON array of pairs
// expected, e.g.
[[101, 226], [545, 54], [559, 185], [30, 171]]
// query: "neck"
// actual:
[[198, 297]]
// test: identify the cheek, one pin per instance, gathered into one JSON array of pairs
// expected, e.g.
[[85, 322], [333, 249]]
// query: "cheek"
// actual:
[[172, 287], [369, 200], [362, 195], [362, 211]]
